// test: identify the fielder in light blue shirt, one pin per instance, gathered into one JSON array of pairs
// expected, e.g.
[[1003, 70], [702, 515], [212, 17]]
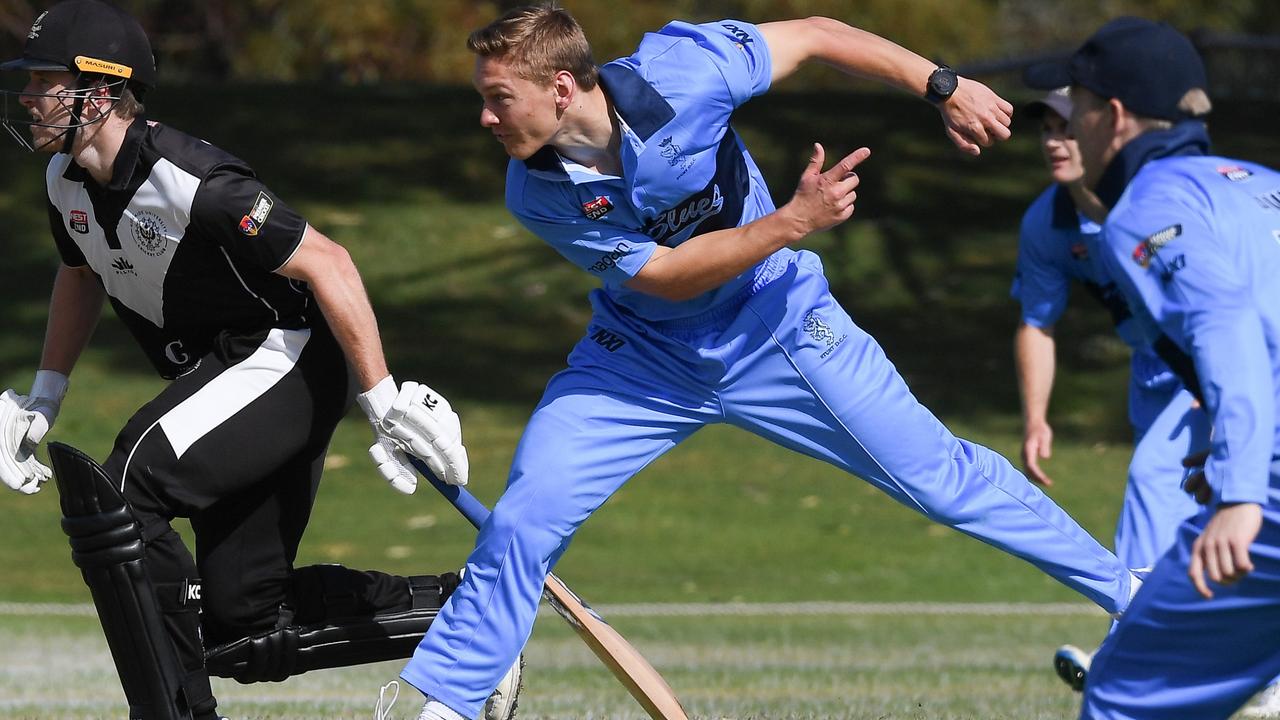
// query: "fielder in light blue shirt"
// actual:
[[1058, 246], [705, 314], [1193, 241]]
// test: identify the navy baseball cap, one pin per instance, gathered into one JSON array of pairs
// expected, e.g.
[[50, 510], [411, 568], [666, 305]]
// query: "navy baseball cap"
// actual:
[[1146, 65], [89, 36]]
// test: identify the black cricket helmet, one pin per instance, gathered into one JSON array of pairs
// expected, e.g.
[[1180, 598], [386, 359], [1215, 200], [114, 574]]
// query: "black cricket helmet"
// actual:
[[101, 44]]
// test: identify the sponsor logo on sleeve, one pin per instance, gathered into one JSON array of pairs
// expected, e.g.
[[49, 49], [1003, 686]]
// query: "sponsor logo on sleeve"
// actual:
[[742, 36], [598, 208], [1235, 173], [150, 233], [611, 258], [252, 223], [79, 221], [1148, 248]]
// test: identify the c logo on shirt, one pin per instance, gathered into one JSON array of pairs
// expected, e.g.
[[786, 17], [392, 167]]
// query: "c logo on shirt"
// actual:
[[150, 233], [176, 354]]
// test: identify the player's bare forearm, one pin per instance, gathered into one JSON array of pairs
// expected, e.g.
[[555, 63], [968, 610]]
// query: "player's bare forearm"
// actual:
[[1034, 350], [334, 280], [974, 116], [74, 309], [793, 43]]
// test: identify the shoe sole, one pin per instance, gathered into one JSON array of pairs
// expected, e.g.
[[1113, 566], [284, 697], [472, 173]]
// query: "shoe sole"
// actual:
[[1071, 672]]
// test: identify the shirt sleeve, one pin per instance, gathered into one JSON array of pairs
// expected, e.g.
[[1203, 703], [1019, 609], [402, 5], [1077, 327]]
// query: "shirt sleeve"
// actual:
[[734, 51], [1039, 284], [67, 248], [239, 213], [611, 253], [1171, 263]]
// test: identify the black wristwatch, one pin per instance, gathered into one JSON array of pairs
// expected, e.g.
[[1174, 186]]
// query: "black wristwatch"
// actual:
[[942, 83]]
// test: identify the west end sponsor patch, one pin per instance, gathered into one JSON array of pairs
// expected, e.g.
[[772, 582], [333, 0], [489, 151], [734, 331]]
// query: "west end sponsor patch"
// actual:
[[1148, 248], [598, 208], [79, 221], [1235, 173], [250, 224]]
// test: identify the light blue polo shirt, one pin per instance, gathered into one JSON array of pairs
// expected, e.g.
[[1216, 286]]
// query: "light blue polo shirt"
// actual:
[[1058, 245], [685, 171], [1196, 242]]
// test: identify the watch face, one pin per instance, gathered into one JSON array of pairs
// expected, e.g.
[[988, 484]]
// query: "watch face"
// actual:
[[943, 81]]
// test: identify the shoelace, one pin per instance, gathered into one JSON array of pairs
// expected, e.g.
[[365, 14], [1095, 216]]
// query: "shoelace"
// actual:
[[383, 709]]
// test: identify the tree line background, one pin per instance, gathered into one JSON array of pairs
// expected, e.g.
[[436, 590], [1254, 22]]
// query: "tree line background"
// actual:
[[422, 41]]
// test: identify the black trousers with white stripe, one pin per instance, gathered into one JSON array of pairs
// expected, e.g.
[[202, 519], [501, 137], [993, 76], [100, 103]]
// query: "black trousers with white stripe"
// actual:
[[237, 446]]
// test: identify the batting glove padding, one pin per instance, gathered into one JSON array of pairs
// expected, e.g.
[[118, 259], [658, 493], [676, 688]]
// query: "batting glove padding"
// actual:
[[415, 420], [19, 468]]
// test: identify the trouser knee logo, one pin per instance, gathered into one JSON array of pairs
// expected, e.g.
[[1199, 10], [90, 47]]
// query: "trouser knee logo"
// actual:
[[821, 332], [608, 339]]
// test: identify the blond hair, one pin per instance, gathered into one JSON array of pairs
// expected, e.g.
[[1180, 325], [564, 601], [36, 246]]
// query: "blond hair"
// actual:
[[538, 41]]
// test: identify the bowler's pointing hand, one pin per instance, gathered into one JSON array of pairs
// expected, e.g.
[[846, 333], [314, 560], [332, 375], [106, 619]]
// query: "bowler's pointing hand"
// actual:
[[825, 199], [975, 117]]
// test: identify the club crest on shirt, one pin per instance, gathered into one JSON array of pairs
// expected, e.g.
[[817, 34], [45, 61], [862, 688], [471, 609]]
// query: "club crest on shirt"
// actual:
[[598, 208], [150, 233], [79, 221], [251, 223], [1148, 248], [37, 26], [1235, 173]]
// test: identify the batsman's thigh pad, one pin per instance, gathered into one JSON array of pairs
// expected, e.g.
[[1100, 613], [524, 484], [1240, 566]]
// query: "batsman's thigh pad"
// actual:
[[107, 544], [333, 642]]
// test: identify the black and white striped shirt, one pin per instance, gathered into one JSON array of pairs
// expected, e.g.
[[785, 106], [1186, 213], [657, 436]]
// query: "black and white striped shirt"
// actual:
[[185, 239]]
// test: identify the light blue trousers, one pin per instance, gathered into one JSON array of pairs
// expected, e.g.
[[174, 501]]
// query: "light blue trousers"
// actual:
[[1175, 655], [1167, 429], [785, 363]]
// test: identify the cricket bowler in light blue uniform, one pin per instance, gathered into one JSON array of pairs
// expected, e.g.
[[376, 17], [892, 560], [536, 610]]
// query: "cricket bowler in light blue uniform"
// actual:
[[633, 173], [1057, 246], [1193, 241]]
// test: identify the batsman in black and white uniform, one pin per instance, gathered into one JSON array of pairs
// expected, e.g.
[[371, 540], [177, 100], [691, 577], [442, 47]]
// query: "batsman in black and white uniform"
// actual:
[[264, 328]]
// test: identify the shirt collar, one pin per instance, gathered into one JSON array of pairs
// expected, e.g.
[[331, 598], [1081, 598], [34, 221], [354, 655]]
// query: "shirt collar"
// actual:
[[126, 159], [1186, 138], [641, 112]]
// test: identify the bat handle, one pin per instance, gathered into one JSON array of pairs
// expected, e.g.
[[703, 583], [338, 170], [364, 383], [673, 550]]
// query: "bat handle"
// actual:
[[472, 509]]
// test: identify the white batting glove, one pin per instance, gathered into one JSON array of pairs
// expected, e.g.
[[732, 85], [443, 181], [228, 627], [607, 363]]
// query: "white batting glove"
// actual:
[[416, 420], [19, 468]]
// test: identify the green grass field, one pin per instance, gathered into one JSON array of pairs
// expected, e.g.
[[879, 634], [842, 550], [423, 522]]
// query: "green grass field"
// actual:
[[472, 305]]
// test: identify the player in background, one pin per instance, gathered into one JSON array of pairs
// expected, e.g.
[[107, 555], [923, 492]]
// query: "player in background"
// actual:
[[1193, 242], [264, 329], [705, 315], [1057, 245]]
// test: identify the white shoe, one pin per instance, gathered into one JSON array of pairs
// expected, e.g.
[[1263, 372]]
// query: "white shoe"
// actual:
[[1072, 665], [501, 705], [1265, 704]]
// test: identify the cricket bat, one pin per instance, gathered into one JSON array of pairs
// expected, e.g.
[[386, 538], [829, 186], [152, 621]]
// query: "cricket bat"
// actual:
[[624, 661]]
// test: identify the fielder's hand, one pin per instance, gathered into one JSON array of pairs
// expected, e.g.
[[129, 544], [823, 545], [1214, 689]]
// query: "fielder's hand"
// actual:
[[19, 468], [1194, 482], [418, 421], [1223, 548], [1037, 445], [976, 117]]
